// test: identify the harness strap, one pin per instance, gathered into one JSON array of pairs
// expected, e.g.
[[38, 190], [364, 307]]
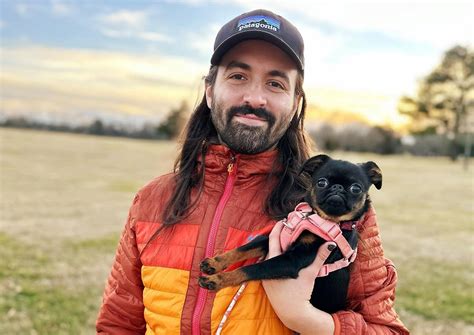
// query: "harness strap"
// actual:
[[300, 220], [332, 232], [337, 265]]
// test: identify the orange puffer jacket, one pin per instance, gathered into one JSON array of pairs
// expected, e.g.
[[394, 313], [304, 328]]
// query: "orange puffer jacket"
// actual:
[[154, 290]]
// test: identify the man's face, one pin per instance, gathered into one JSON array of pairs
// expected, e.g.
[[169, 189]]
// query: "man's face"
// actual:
[[253, 99]]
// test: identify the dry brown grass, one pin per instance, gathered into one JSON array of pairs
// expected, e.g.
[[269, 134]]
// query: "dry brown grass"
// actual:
[[64, 199]]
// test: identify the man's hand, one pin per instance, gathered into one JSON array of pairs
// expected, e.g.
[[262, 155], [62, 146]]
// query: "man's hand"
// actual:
[[290, 297]]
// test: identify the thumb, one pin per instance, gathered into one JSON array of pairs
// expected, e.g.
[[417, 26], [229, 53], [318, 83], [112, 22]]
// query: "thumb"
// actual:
[[312, 271], [274, 246]]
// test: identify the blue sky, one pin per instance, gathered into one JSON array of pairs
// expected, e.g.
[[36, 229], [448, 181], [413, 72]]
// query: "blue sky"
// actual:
[[126, 26], [138, 59]]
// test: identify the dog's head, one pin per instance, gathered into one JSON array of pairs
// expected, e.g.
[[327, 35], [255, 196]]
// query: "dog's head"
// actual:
[[339, 189]]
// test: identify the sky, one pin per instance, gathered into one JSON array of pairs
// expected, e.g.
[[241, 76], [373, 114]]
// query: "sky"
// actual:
[[133, 61]]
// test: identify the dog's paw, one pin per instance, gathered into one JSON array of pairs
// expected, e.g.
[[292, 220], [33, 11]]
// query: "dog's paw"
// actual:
[[208, 283], [207, 266]]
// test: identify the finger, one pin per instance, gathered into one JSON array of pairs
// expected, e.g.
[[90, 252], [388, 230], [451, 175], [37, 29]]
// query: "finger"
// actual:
[[274, 246], [312, 271]]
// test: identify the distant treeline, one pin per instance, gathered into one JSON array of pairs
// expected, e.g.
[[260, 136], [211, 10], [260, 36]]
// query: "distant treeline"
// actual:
[[355, 136], [167, 129], [97, 127], [361, 137]]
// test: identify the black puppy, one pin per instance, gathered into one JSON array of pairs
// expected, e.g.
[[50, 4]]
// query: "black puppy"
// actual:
[[339, 193]]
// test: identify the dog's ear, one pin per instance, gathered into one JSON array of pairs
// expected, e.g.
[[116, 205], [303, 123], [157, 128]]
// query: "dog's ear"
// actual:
[[314, 163], [374, 173]]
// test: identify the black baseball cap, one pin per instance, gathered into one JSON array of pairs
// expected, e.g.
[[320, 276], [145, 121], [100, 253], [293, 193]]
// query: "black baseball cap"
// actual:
[[264, 25]]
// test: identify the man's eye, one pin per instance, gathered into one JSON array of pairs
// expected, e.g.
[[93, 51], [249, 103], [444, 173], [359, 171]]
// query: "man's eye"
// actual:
[[355, 189], [237, 76], [276, 84], [322, 183]]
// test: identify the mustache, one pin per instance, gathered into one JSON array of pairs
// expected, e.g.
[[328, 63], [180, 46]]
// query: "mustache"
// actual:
[[245, 109]]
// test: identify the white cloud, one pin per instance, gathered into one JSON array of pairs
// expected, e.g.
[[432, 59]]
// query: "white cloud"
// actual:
[[332, 62], [3, 24], [22, 9], [143, 35], [127, 18], [153, 36], [61, 8], [387, 72], [188, 2], [130, 24], [114, 33], [319, 50], [64, 81], [440, 24], [203, 41], [369, 82]]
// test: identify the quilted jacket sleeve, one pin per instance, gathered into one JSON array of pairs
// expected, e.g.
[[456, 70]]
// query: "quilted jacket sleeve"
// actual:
[[122, 305], [371, 289]]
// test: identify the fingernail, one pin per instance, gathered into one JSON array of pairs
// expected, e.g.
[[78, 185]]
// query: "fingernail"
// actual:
[[331, 247]]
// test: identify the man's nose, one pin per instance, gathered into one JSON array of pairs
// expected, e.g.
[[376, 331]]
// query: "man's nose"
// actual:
[[255, 97]]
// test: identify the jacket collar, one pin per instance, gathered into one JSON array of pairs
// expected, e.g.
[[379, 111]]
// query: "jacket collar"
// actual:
[[219, 156]]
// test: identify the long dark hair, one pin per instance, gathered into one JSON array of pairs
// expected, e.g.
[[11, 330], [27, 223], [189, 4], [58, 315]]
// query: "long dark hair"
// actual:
[[293, 150]]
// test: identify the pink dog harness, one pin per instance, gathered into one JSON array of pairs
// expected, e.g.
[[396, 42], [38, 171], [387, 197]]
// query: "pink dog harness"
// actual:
[[298, 221], [301, 219]]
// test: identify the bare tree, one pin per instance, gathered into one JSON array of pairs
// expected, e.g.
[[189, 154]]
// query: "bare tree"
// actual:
[[445, 98]]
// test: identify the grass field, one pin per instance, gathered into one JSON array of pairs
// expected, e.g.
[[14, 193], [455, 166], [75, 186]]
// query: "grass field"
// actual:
[[64, 199]]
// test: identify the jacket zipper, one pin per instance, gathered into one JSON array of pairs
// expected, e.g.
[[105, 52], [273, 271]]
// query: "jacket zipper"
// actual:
[[211, 241]]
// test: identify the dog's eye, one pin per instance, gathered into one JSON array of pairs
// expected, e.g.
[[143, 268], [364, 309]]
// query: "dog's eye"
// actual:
[[356, 189], [322, 182]]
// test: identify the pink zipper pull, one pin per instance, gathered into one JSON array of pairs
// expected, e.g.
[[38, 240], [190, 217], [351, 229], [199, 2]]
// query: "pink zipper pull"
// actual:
[[230, 167]]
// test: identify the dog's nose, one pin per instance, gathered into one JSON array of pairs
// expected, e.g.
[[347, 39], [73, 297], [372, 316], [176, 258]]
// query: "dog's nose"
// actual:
[[337, 188]]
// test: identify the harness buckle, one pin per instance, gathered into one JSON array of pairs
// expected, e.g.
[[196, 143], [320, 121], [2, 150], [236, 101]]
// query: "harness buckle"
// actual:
[[287, 225], [303, 217], [334, 232]]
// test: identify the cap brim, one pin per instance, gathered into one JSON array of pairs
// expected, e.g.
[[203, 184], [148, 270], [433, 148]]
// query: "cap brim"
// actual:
[[250, 35]]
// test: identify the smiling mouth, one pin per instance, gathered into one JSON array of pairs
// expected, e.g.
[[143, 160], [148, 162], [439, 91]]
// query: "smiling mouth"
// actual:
[[250, 116], [250, 119]]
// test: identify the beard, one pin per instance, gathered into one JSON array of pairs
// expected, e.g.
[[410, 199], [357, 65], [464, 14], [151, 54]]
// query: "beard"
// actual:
[[242, 138]]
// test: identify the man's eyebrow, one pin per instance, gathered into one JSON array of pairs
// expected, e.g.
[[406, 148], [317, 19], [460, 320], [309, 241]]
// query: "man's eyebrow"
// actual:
[[274, 73], [277, 73], [236, 64]]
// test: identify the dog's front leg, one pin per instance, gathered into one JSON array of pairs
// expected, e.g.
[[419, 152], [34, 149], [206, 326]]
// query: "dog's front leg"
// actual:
[[258, 247], [286, 265]]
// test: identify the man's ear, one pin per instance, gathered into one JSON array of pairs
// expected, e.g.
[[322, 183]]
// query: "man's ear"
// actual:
[[374, 173], [209, 96], [314, 163]]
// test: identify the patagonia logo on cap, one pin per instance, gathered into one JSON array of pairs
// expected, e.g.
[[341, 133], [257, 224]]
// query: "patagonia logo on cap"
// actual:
[[259, 22], [264, 25]]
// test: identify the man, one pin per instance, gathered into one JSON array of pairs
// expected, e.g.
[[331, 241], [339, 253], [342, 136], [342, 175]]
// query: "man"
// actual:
[[236, 174]]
